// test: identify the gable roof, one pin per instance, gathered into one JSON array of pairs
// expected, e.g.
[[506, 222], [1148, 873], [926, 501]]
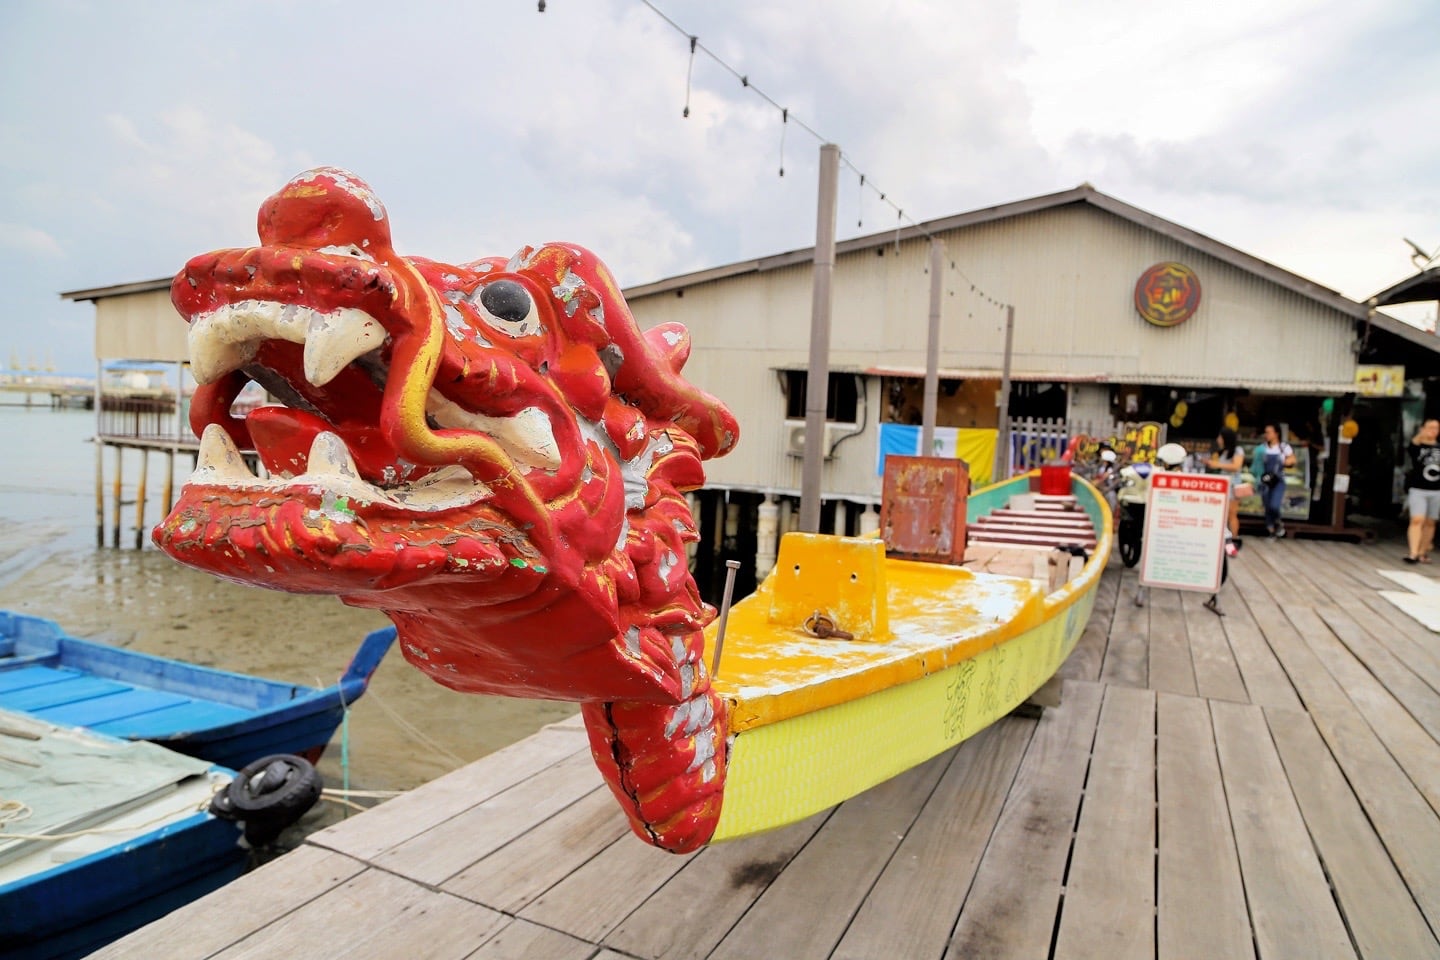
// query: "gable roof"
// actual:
[[1083, 194], [1427, 283]]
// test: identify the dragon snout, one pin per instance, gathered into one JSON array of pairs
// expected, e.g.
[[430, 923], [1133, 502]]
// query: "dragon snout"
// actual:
[[329, 210]]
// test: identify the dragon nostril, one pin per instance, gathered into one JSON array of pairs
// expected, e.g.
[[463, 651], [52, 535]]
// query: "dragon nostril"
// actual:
[[506, 300]]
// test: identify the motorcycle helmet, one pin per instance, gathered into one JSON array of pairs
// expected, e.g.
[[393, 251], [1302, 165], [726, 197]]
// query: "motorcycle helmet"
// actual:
[[1170, 456]]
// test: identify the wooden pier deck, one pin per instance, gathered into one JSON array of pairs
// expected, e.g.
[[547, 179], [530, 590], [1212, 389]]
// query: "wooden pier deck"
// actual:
[[1264, 784]]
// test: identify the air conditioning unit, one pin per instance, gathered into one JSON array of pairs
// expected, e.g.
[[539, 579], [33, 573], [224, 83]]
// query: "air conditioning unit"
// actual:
[[795, 437]]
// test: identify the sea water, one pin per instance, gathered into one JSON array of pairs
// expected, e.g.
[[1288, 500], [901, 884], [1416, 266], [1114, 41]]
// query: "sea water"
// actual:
[[48, 484]]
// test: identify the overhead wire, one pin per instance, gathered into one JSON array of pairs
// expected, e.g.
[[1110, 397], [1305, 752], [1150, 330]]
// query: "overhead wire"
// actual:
[[788, 117]]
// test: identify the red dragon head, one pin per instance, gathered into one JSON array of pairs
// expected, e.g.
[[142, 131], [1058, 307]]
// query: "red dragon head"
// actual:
[[492, 452]]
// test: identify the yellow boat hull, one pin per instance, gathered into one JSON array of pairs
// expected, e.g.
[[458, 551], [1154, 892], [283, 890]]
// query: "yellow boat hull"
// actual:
[[815, 722]]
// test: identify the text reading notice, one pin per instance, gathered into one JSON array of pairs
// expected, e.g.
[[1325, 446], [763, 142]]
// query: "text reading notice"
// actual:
[[1184, 531]]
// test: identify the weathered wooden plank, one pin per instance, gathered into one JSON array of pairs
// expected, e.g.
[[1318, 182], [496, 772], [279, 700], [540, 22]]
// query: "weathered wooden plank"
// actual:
[[1280, 559], [1407, 639], [212, 923], [1127, 656], [374, 915], [1316, 688], [1378, 909], [1406, 823], [1290, 904], [512, 876], [805, 910], [1171, 669], [594, 899], [913, 907], [1217, 675], [1084, 661], [1404, 819], [1109, 908], [449, 847], [1395, 712], [1266, 682], [1200, 894], [1011, 909], [691, 914], [396, 821], [522, 940]]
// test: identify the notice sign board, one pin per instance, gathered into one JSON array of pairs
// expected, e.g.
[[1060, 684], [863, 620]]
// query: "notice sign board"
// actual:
[[1185, 519]]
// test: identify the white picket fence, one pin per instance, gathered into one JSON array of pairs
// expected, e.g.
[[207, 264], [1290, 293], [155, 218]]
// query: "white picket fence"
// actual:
[[1035, 441]]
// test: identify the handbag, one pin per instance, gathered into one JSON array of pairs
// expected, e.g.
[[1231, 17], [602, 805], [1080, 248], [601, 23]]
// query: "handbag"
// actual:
[[1243, 490], [1269, 479]]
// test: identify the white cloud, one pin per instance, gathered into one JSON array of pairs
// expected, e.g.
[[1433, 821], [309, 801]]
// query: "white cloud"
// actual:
[[29, 240]]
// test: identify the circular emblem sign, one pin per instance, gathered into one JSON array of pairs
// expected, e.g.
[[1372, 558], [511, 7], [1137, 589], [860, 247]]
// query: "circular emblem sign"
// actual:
[[1167, 294]]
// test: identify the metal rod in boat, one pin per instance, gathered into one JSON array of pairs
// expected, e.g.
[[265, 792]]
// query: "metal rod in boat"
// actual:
[[730, 567]]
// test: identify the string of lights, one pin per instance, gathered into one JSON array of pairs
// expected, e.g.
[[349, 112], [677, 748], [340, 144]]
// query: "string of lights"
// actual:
[[787, 117]]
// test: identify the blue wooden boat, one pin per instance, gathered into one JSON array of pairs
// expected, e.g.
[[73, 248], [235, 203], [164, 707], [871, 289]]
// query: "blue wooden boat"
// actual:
[[229, 719], [136, 840]]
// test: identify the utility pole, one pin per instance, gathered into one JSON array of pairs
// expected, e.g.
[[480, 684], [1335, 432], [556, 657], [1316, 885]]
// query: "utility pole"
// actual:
[[932, 351], [1002, 449], [817, 388]]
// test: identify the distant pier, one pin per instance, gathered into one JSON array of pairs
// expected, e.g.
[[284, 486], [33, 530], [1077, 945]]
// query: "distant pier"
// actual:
[[19, 389]]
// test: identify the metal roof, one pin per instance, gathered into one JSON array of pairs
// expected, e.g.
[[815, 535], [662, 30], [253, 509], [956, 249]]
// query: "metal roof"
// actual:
[[118, 290], [1425, 285]]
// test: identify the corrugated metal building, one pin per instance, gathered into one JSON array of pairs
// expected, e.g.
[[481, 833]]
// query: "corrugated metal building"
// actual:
[[1262, 343]]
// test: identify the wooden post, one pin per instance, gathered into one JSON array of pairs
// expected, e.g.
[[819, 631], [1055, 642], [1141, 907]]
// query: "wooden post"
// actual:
[[99, 458], [99, 492], [168, 489], [817, 389], [119, 464], [932, 352], [1002, 451], [140, 499]]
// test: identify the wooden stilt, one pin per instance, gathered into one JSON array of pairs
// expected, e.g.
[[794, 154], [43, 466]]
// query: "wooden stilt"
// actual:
[[119, 464], [99, 493], [140, 500], [168, 490]]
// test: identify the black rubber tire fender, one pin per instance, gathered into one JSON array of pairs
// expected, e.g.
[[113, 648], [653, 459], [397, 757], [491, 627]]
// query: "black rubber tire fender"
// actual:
[[280, 786]]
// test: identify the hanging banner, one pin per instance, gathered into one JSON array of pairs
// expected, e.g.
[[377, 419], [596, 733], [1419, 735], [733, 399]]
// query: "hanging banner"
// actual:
[[1184, 541], [974, 445]]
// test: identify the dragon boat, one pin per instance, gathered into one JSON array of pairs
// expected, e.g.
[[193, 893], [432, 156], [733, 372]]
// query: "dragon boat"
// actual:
[[494, 454]]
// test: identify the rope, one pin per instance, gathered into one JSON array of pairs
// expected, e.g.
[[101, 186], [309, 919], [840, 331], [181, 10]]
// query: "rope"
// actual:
[[13, 811], [419, 735]]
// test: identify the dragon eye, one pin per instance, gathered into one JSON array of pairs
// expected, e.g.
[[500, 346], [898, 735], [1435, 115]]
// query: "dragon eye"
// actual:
[[506, 300], [508, 307]]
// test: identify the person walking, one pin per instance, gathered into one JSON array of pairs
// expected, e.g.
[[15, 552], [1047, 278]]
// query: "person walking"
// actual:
[[1422, 494], [1271, 458], [1228, 459]]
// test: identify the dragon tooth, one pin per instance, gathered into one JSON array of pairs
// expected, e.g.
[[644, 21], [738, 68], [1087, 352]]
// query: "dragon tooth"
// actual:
[[329, 455], [334, 339], [211, 355], [526, 436], [219, 460]]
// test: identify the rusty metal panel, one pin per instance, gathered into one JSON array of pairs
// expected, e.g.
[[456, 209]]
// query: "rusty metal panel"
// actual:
[[922, 510]]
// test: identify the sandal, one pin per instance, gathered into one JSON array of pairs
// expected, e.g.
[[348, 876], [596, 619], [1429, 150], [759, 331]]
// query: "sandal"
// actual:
[[1411, 560], [1424, 558]]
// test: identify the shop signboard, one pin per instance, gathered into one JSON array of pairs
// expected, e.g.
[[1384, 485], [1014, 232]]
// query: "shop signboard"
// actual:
[[1375, 380], [1184, 540]]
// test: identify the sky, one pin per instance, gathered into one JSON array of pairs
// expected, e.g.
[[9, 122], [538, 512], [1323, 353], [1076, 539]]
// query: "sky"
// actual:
[[136, 135]]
